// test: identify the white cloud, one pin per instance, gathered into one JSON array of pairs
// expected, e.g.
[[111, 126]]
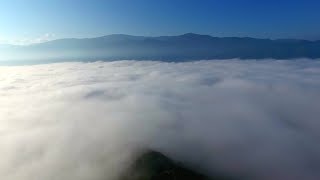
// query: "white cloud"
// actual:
[[80, 121], [29, 40]]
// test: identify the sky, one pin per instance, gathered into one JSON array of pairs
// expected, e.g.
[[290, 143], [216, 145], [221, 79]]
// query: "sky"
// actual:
[[30, 21]]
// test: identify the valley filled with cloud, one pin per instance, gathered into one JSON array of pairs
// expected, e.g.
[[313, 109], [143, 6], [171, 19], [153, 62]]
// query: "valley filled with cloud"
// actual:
[[79, 121]]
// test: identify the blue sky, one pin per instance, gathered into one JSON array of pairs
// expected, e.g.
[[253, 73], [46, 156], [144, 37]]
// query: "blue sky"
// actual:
[[27, 21]]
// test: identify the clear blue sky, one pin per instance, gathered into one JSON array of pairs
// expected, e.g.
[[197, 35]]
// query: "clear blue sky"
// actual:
[[23, 19]]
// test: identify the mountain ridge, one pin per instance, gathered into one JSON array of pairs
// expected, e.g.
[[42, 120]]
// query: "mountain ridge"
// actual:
[[185, 47], [182, 35]]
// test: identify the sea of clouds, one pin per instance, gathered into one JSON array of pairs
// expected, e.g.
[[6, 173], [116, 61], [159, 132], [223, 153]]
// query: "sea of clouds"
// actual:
[[86, 121]]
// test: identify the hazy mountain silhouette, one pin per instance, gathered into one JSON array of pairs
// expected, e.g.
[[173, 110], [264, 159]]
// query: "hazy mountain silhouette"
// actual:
[[169, 48]]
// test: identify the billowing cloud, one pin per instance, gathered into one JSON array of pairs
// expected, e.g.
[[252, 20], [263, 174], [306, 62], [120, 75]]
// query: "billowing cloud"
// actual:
[[80, 121]]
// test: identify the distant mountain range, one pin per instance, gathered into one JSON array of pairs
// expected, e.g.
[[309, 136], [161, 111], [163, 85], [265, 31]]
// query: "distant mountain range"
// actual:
[[167, 48]]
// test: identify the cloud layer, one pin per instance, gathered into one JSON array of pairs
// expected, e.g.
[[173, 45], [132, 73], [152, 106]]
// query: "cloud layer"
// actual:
[[80, 121]]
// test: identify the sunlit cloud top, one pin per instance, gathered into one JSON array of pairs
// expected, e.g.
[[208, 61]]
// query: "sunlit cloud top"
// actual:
[[80, 121]]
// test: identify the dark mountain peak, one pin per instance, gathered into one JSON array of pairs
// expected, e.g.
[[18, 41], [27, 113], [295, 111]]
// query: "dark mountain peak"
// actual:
[[193, 35], [152, 165]]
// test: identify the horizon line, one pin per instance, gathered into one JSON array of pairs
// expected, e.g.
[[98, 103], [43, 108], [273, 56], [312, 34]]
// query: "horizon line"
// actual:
[[146, 36]]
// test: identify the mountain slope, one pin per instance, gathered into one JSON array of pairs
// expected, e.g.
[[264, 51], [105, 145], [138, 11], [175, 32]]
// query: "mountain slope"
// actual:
[[171, 48], [153, 165]]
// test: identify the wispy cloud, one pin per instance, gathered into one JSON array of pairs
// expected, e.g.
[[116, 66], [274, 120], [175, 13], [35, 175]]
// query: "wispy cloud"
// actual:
[[28, 40], [80, 121]]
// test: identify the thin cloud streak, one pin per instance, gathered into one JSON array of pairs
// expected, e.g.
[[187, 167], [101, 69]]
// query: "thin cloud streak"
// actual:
[[28, 40]]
